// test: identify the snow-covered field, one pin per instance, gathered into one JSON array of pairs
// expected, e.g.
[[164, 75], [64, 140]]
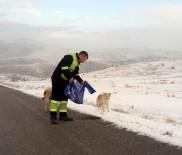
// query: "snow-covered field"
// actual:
[[146, 97]]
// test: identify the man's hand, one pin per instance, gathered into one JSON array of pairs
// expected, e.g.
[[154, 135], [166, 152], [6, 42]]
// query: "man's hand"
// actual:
[[71, 80]]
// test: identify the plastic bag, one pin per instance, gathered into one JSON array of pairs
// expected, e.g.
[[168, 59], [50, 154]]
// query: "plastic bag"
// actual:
[[90, 89], [75, 92]]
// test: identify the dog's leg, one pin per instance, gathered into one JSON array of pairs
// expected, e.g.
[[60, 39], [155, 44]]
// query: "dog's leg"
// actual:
[[98, 105], [103, 108], [45, 106], [108, 107]]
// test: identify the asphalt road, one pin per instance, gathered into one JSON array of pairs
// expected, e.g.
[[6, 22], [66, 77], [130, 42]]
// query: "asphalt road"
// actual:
[[25, 129]]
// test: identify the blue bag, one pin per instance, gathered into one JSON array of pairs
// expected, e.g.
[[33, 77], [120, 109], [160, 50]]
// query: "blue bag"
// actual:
[[75, 91], [90, 89]]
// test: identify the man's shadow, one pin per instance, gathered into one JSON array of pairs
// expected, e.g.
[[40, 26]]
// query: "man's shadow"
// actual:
[[89, 117]]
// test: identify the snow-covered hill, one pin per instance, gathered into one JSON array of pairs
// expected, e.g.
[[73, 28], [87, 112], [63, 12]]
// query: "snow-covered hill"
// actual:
[[146, 97], [38, 67]]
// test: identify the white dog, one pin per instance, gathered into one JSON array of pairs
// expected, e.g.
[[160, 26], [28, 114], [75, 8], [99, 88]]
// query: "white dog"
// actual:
[[47, 97], [103, 100]]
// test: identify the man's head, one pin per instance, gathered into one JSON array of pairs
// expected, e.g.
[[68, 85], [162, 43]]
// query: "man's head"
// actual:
[[83, 56]]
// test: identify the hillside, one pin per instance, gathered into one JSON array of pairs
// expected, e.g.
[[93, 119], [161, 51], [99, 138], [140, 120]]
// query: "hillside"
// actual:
[[146, 97]]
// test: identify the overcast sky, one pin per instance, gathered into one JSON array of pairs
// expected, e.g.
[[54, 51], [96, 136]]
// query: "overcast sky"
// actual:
[[94, 24]]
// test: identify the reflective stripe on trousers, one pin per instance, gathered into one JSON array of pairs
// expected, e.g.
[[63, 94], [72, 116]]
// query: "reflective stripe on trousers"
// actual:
[[54, 106]]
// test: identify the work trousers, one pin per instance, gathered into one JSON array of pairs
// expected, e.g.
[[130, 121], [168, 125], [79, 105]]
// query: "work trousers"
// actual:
[[58, 96]]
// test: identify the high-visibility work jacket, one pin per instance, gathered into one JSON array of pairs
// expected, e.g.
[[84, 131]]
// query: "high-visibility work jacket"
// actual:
[[67, 68], [72, 67]]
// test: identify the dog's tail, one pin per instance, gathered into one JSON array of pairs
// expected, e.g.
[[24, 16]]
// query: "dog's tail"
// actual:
[[43, 95], [44, 92]]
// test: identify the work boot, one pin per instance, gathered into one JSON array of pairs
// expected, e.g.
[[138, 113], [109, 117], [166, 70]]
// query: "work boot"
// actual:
[[64, 117], [53, 118]]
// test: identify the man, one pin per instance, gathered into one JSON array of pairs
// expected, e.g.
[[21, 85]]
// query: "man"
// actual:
[[66, 72]]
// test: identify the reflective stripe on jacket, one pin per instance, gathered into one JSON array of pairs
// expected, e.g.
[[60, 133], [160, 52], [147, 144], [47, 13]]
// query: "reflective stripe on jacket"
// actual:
[[72, 67]]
